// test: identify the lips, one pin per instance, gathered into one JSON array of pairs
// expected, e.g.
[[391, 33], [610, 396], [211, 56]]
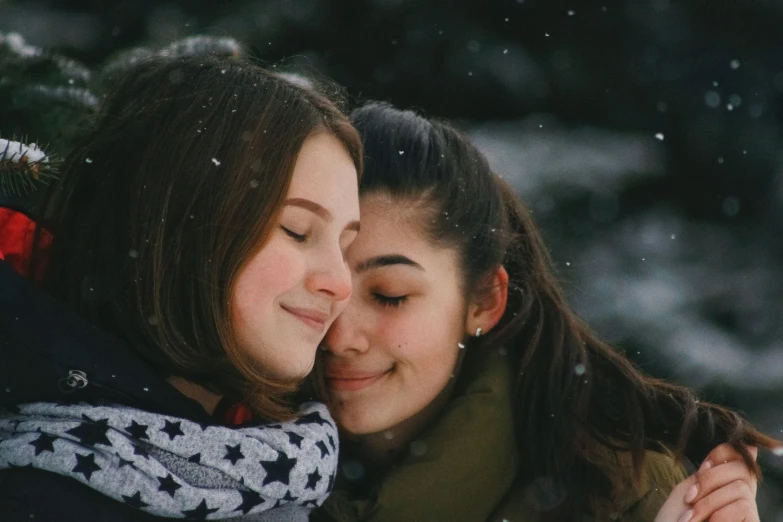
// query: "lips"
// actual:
[[353, 381], [315, 319]]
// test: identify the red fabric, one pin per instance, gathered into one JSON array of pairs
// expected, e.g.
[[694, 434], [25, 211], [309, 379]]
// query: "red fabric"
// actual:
[[17, 232], [237, 415]]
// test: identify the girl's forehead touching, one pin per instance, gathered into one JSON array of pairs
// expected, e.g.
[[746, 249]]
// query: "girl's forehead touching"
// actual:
[[394, 226], [414, 216]]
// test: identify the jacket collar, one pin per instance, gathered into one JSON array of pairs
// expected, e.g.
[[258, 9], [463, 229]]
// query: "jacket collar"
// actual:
[[469, 464]]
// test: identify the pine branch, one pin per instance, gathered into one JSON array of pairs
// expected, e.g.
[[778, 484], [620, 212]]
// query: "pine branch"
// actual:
[[191, 46], [35, 95], [203, 45], [23, 167]]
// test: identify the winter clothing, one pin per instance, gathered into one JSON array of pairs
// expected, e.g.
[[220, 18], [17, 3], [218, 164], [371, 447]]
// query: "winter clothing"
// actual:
[[464, 469], [17, 232], [169, 466], [89, 431]]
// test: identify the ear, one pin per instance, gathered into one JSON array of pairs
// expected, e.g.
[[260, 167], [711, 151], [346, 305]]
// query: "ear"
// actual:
[[488, 308]]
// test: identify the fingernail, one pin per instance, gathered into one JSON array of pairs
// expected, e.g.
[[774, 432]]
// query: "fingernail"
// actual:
[[692, 492], [707, 464], [686, 516]]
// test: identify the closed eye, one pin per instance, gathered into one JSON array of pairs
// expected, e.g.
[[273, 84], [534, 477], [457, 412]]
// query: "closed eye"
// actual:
[[390, 301], [299, 238]]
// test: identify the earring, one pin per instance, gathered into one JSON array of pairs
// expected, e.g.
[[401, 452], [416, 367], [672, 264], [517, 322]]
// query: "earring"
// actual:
[[461, 346], [478, 332]]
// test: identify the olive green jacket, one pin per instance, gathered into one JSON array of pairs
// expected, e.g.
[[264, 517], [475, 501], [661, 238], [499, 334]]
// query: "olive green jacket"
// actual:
[[468, 471]]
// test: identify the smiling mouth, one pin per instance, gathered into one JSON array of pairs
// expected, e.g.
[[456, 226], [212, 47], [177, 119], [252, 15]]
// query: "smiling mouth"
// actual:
[[312, 318], [353, 383]]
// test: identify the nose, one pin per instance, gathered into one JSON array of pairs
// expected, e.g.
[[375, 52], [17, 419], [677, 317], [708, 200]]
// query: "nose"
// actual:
[[347, 335], [331, 277]]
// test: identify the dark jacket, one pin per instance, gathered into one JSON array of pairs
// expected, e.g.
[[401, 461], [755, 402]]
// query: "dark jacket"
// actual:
[[41, 344]]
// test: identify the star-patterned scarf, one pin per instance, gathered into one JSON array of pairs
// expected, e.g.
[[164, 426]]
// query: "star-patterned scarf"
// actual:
[[173, 467]]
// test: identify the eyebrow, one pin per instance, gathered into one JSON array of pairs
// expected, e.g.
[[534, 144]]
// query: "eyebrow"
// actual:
[[318, 210], [387, 260]]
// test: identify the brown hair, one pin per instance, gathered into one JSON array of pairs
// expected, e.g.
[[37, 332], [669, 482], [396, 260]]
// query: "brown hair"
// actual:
[[563, 418], [178, 185]]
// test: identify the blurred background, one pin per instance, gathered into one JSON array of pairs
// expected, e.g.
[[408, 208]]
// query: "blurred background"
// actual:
[[644, 134]]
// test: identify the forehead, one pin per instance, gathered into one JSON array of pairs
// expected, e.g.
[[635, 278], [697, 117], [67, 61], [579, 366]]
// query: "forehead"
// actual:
[[393, 226], [314, 160], [325, 173]]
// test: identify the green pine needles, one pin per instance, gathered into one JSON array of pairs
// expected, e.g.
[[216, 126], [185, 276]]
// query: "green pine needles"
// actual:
[[56, 99], [23, 167]]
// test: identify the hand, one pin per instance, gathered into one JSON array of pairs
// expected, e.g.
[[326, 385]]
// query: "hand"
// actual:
[[722, 490]]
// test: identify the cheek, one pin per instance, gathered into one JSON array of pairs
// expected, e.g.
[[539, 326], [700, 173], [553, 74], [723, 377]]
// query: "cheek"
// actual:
[[425, 345], [272, 272]]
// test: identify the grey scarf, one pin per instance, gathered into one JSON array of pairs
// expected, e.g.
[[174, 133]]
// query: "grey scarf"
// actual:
[[174, 467]]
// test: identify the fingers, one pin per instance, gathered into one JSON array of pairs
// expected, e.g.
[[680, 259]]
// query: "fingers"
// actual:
[[754, 452], [740, 511], [736, 497], [726, 453], [710, 479], [722, 454]]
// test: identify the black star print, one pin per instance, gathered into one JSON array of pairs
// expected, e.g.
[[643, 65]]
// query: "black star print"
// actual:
[[43, 443], [85, 464], [135, 501], [287, 497], [250, 499], [196, 458], [200, 513], [331, 442], [139, 449], [124, 462], [172, 429], [331, 484], [234, 453], [278, 470], [313, 503], [312, 479], [321, 446], [91, 432], [294, 439], [137, 431], [168, 484], [311, 418]]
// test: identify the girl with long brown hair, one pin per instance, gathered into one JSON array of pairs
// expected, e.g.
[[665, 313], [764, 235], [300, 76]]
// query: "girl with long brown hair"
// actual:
[[466, 389], [180, 277]]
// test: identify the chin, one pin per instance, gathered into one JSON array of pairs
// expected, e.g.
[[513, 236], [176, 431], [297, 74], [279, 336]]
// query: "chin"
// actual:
[[304, 370], [289, 371], [357, 424]]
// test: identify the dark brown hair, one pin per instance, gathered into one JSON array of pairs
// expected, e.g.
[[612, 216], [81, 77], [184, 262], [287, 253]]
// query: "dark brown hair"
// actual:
[[563, 418], [178, 185]]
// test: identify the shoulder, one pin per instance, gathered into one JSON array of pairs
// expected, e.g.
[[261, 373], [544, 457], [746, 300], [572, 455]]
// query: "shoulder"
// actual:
[[640, 500], [631, 500]]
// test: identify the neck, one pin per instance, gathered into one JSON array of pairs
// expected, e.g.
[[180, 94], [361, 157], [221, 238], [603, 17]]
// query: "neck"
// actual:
[[207, 399]]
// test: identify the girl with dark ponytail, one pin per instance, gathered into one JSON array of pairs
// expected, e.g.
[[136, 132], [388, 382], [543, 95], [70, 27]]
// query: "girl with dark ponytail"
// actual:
[[464, 386]]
